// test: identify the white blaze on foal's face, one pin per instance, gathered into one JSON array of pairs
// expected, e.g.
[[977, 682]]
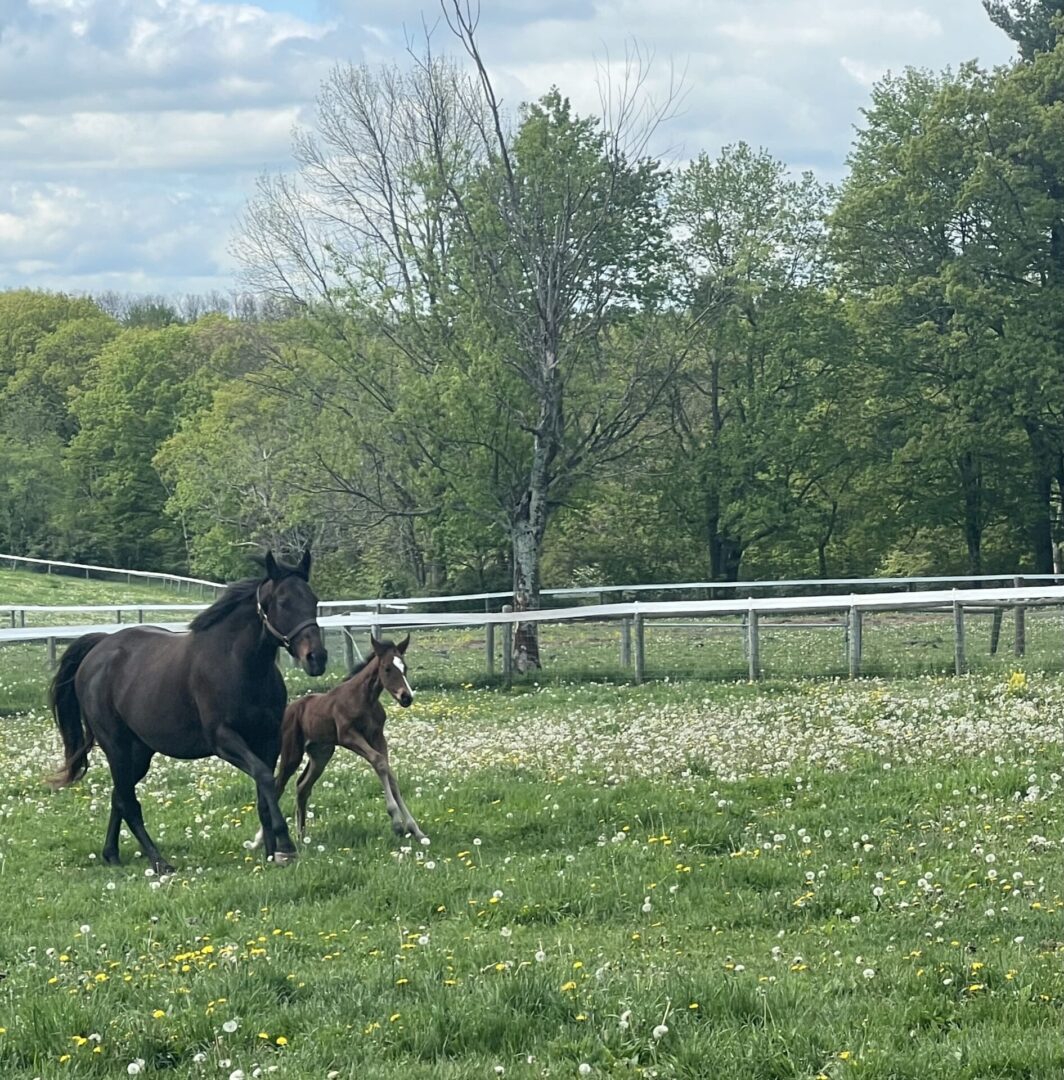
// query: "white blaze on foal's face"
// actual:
[[397, 660]]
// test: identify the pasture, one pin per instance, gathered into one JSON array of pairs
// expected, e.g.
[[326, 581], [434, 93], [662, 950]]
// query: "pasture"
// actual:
[[807, 878], [800, 880]]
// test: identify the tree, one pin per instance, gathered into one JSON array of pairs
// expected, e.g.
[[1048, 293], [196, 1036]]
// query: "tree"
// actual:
[[1032, 24], [752, 411], [504, 264], [142, 385]]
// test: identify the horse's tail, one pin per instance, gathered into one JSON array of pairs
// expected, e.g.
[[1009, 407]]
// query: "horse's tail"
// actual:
[[78, 737], [293, 743]]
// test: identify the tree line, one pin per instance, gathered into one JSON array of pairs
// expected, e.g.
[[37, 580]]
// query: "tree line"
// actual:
[[486, 350]]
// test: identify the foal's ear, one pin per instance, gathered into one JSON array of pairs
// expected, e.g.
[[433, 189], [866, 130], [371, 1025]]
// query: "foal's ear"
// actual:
[[271, 565], [303, 569], [378, 647], [401, 647]]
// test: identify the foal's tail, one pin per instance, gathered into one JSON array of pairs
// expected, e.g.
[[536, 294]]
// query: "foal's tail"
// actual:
[[78, 737], [293, 743]]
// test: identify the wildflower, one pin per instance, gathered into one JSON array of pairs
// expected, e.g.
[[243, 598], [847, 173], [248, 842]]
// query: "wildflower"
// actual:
[[229, 1027], [135, 1067], [869, 973], [506, 932], [540, 956], [566, 987], [660, 1031], [281, 1040], [584, 1069], [158, 1014]]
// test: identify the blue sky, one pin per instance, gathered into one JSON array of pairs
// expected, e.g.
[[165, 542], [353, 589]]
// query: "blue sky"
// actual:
[[132, 131]]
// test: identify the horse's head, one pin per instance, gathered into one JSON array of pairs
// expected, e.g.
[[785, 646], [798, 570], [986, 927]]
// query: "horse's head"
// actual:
[[392, 670], [288, 609]]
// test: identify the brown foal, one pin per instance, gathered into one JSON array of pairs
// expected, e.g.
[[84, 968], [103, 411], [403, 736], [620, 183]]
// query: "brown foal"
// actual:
[[349, 715]]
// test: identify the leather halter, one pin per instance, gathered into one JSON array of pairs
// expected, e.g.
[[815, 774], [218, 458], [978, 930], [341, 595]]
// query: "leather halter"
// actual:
[[285, 640]]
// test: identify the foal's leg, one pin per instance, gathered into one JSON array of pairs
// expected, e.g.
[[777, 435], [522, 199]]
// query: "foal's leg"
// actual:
[[292, 743], [380, 744], [320, 755], [231, 746], [129, 760], [402, 820]]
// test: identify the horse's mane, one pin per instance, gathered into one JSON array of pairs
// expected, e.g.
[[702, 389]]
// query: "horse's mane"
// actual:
[[235, 594], [361, 665]]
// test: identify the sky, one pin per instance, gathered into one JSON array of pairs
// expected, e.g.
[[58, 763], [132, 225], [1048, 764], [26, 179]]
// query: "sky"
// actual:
[[132, 131]]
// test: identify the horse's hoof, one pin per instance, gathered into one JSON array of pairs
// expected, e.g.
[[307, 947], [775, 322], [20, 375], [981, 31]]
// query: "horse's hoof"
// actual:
[[163, 869], [111, 858], [283, 858]]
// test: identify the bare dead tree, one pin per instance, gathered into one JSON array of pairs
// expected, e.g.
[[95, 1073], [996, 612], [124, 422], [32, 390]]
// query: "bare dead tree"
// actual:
[[426, 208]]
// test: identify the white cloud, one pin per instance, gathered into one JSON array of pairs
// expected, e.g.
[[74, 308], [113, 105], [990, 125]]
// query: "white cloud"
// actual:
[[130, 132]]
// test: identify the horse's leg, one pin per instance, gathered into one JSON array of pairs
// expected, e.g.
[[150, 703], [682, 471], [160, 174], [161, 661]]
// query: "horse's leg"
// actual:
[[231, 746], [320, 755], [129, 759], [110, 844], [380, 744], [402, 821], [292, 743]]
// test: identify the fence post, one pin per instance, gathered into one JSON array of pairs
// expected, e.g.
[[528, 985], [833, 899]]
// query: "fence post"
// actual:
[[51, 653], [753, 646], [489, 648], [640, 650], [118, 615], [855, 642], [960, 663], [1020, 644], [995, 629], [626, 643], [507, 648]]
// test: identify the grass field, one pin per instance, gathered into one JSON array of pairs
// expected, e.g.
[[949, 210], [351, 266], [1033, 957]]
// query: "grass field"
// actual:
[[807, 878], [810, 879]]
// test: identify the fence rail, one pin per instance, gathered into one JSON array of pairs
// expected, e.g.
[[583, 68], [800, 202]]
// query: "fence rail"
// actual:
[[632, 618]]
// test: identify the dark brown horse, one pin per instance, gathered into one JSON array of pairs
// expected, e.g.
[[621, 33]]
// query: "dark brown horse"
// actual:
[[349, 715], [215, 691]]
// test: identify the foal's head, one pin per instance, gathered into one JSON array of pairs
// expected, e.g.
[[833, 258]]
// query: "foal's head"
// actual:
[[288, 609], [391, 669]]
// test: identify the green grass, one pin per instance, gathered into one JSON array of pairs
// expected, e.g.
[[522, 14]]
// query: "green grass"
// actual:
[[605, 861]]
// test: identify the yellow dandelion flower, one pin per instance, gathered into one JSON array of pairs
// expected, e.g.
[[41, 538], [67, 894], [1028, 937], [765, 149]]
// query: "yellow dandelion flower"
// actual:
[[158, 1014], [570, 985], [281, 1040], [395, 1016]]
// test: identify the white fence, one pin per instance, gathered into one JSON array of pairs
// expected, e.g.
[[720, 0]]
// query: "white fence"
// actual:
[[633, 616], [110, 573]]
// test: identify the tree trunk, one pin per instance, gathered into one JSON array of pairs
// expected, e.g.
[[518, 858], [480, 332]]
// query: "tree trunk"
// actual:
[[725, 552], [530, 520], [526, 595], [1042, 475], [972, 487]]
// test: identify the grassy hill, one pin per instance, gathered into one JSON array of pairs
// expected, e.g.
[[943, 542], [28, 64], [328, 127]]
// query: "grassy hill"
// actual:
[[26, 587]]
